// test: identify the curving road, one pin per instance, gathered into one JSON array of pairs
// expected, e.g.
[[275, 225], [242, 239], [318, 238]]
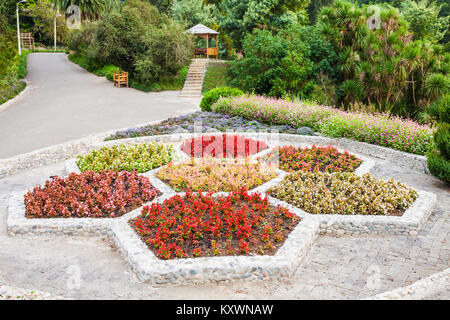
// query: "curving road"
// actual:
[[65, 102]]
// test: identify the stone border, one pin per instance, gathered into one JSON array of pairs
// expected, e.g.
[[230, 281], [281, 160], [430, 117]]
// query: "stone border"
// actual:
[[14, 293], [365, 167], [210, 269], [409, 223], [68, 150], [214, 269], [180, 271], [18, 223], [422, 289]]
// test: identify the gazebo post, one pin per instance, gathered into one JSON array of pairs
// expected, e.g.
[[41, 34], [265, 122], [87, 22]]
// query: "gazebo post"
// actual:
[[207, 46]]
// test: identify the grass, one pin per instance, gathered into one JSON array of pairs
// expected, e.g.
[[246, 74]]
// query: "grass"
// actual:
[[165, 83], [216, 75]]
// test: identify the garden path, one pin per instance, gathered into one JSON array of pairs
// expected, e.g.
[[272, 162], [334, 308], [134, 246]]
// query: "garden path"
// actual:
[[335, 268], [65, 102]]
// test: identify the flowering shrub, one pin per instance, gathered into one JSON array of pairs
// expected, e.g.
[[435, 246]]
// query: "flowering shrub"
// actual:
[[139, 157], [392, 132], [215, 176], [199, 225], [89, 194], [382, 130], [314, 159], [344, 193], [274, 111], [226, 146]]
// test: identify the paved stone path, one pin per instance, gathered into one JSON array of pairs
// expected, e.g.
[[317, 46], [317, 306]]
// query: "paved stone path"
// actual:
[[335, 268], [65, 102]]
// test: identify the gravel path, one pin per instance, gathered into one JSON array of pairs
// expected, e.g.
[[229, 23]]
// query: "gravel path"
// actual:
[[65, 102], [335, 268]]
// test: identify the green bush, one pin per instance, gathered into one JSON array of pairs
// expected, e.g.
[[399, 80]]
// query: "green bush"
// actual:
[[443, 108], [439, 166], [109, 71], [210, 97], [442, 139]]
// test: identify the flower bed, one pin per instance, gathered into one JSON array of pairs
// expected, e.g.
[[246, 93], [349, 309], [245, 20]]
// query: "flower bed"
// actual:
[[198, 225], [89, 194], [344, 193], [382, 130], [226, 146], [215, 176], [210, 122], [314, 159], [139, 157], [392, 132]]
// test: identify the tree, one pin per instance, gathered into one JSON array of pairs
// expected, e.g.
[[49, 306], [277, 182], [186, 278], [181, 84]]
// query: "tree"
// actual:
[[162, 5], [137, 39], [42, 16], [276, 65], [424, 20], [90, 9], [193, 12], [239, 17]]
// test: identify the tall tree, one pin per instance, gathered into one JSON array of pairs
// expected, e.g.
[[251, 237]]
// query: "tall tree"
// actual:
[[424, 20], [193, 12], [239, 17]]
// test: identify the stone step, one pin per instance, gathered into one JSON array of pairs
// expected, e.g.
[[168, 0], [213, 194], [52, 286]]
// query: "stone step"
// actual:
[[191, 89], [193, 83]]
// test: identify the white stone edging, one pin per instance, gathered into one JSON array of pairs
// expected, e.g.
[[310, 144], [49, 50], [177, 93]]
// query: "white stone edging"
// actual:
[[410, 223], [213, 269], [68, 150], [422, 289]]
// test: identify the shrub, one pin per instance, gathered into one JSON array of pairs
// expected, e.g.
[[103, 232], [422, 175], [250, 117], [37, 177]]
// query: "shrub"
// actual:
[[210, 97], [138, 39], [215, 176], [139, 157], [89, 194], [197, 224], [344, 193], [274, 111], [442, 139], [109, 71], [314, 159], [392, 132], [444, 108], [439, 166], [226, 146], [440, 109]]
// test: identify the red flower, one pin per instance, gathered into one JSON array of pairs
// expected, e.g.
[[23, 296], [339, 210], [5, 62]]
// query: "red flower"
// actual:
[[226, 146]]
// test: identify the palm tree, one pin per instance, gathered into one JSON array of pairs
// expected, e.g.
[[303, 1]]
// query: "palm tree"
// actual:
[[90, 9]]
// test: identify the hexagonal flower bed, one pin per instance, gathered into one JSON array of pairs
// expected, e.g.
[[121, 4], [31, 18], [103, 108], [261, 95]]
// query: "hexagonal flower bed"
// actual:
[[344, 193], [314, 159], [89, 194], [198, 225], [216, 176], [222, 146], [139, 157]]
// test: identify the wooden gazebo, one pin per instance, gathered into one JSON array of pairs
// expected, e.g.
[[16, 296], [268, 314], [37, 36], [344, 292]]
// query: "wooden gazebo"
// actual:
[[203, 31]]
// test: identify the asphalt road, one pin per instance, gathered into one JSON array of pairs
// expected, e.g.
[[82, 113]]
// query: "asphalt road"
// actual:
[[64, 102]]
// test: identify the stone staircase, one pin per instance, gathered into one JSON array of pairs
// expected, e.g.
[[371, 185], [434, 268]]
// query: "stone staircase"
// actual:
[[194, 80]]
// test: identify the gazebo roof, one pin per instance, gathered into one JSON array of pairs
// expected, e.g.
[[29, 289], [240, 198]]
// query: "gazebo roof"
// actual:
[[201, 29]]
